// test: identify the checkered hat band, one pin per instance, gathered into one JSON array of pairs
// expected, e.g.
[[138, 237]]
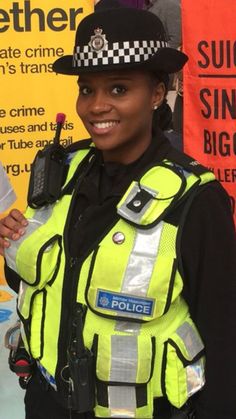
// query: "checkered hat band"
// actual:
[[117, 53]]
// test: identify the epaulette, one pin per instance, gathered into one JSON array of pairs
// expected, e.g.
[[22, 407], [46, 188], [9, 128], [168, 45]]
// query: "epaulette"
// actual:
[[187, 162]]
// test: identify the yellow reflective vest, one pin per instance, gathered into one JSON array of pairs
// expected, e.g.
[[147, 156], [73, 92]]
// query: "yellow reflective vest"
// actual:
[[137, 323]]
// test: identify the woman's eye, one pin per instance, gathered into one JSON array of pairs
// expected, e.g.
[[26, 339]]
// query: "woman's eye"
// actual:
[[84, 90], [118, 90]]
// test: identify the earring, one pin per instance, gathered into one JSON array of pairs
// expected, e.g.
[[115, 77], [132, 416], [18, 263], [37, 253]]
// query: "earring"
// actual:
[[155, 107]]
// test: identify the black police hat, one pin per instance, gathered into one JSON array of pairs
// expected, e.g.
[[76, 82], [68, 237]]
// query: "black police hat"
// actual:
[[120, 38], [108, 4]]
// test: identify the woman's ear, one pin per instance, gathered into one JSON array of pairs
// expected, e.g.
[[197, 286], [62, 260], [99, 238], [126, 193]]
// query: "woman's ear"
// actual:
[[159, 93]]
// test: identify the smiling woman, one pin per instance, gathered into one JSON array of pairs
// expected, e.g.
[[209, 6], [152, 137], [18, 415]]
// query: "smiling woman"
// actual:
[[120, 276]]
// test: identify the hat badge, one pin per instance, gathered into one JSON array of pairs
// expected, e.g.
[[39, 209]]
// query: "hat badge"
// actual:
[[98, 41]]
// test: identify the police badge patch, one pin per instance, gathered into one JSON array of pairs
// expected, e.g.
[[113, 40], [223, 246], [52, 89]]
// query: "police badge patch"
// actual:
[[98, 41], [132, 305]]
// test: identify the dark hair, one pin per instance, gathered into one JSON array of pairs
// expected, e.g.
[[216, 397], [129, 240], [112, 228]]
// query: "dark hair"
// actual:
[[162, 117], [162, 77]]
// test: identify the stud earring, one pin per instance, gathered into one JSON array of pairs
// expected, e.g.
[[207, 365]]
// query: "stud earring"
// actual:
[[155, 107]]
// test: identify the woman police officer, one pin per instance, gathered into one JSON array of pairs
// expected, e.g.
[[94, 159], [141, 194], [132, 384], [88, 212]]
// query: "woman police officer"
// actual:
[[127, 283]]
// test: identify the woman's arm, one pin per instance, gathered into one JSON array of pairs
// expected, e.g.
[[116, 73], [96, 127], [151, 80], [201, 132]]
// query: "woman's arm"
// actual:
[[209, 255]]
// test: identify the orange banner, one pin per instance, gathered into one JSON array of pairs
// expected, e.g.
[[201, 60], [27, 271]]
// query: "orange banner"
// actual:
[[209, 39]]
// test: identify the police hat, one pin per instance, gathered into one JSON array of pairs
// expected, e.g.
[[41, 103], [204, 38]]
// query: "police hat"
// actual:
[[120, 38]]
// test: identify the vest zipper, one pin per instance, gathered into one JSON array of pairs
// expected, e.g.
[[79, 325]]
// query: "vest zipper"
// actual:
[[69, 293], [72, 262]]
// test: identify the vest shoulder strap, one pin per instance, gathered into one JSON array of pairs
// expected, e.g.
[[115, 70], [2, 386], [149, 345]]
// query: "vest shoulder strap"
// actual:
[[154, 196], [79, 155], [79, 145]]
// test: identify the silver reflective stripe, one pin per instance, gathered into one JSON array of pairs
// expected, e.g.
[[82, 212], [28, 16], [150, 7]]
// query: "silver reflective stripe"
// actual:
[[43, 214], [191, 339], [124, 358], [186, 174], [195, 377], [122, 402], [124, 365], [127, 327], [131, 215], [22, 332], [40, 217], [142, 261], [193, 344], [21, 294], [139, 270]]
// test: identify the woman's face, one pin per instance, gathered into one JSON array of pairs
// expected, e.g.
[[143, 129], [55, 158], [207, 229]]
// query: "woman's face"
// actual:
[[116, 109]]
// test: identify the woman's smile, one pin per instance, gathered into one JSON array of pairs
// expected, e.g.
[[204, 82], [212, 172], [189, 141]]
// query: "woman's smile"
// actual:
[[103, 127]]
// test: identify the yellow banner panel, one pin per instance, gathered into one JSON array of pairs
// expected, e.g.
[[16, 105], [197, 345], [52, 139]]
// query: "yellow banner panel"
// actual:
[[33, 34]]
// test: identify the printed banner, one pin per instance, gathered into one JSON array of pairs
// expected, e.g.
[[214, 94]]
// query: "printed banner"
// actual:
[[33, 34], [209, 39]]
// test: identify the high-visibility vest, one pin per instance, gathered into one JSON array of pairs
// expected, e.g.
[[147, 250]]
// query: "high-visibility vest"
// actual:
[[137, 323]]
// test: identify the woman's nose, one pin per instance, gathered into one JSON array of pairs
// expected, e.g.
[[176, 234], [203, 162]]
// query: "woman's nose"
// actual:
[[100, 103]]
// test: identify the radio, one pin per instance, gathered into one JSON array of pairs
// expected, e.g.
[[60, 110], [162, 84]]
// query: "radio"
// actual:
[[48, 171]]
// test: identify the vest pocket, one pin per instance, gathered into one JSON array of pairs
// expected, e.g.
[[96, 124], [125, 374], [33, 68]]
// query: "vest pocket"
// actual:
[[183, 364], [124, 367], [43, 259], [31, 310]]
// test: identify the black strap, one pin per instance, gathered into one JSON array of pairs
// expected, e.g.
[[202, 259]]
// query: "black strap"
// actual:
[[78, 145], [187, 162], [87, 161]]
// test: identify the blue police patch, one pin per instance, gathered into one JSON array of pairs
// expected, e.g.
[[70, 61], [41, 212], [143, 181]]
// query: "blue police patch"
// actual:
[[124, 303]]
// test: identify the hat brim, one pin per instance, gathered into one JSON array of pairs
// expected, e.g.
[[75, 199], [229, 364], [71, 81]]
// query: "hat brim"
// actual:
[[167, 60]]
